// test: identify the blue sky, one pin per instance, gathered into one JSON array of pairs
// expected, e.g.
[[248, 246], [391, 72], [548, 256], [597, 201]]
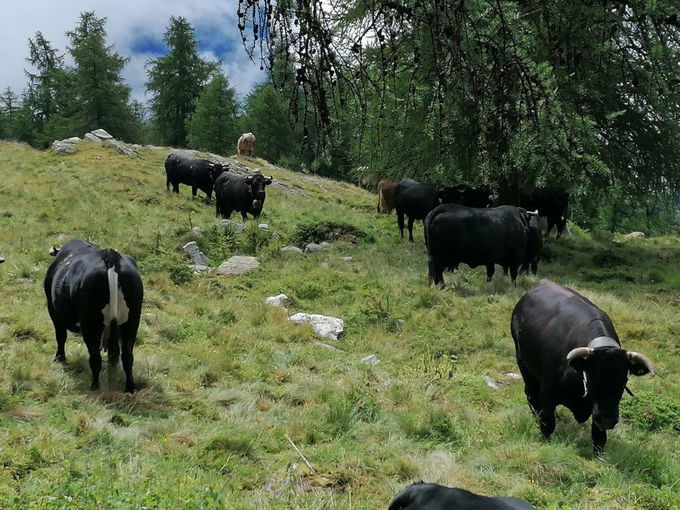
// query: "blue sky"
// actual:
[[135, 29]]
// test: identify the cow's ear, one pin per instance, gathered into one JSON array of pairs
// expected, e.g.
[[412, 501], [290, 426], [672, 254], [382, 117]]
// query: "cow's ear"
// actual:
[[579, 358], [249, 179], [268, 180], [639, 364]]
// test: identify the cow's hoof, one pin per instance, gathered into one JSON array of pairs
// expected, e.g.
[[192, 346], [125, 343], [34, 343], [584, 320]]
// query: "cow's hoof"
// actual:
[[59, 358], [94, 386], [130, 390]]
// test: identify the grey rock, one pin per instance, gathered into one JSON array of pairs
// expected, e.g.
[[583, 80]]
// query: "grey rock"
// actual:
[[636, 235], [149, 318], [513, 375], [200, 268], [291, 249], [276, 236], [313, 248], [371, 360], [323, 325], [238, 265], [348, 259], [91, 138], [73, 139], [491, 383], [63, 148], [197, 256], [235, 226], [278, 300], [101, 134], [197, 231], [325, 346], [24, 280], [153, 147], [263, 226], [400, 322], [122, 148], [62, 238]]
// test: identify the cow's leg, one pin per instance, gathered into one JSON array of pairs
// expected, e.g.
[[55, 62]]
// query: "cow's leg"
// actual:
[[175, 187], [244, 215], [128, 358], [513, 273], [551, 224], [95, 362], [546, 420], [410, 228], [599, 439], [60, 356], [208, 197], [534, 266], [91, 331], [400, 222], [490, 270], [505, 270], [194, 191], [435, 272], [167, 183], [561, 224]]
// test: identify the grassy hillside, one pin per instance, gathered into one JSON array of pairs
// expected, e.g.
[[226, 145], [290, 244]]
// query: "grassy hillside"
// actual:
[[224, 378]]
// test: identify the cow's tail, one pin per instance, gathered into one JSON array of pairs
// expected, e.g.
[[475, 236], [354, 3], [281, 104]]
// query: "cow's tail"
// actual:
[[112, 339]]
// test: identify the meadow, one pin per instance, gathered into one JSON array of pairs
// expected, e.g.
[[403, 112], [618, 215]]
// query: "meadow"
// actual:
[[225, 380]]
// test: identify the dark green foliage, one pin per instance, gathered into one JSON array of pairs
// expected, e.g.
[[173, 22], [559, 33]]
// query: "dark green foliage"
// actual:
[[213, 125], [175, 81], [178, 270], [330, 231]]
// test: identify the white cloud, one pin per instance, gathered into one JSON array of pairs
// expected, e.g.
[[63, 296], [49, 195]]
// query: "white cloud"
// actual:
[[127, 21]]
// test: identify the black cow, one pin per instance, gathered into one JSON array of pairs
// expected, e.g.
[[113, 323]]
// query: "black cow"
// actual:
[[456, 234], [569, 354], [197, 173], [414, 200], [99, 294], [534, 244], [463, 194], [432, 496], [245, 194], [553, 203]]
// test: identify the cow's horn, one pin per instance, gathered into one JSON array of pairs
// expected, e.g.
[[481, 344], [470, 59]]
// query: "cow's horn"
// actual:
[[533, 213], [579, 352], [641, 359], [53, 251]]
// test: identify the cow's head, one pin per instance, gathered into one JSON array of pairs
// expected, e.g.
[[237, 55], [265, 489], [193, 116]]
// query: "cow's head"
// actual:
[[216, 170], [255, 184], [450, 194], [605, 370]]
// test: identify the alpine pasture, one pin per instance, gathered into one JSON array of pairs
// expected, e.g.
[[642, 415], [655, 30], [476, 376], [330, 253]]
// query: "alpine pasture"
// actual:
[[227, 385]]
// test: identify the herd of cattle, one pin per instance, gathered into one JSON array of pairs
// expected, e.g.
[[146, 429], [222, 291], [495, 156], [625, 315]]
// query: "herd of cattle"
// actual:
[[567, 349]]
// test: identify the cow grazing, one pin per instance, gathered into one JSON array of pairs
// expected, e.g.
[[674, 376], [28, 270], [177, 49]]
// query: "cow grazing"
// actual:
[[414, 200], [246, 145], [99, 294], [386, 189], [463, 194], [551, 203], [432, 496], [456, 234], [569, 354], [197, 173], [534, 244], [245, 194]]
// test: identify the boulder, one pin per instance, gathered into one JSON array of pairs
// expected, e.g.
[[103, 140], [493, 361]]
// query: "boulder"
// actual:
[[238, 265], [73, 139], [199, 268], [235, 226], [313, 248], [197, 256], [101, 134], [197, 231], [122, 148], [371, 360], [491, 383], [263, 226], [63, 148], [636, 235], [290, 249], [278, 300], [91, 137], [323, 325]]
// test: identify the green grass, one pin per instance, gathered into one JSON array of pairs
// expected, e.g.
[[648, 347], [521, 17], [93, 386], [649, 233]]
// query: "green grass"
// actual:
[[223, 378]]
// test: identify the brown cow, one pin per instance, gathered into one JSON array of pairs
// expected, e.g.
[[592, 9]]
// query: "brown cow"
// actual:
[[246, 145], [363, 179], [386, 195]]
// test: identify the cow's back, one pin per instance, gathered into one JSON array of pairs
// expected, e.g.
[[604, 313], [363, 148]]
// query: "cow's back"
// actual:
[[429, 496], [415, 199]]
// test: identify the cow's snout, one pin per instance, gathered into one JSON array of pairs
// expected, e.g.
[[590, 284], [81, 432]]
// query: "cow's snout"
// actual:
[[257, 204]]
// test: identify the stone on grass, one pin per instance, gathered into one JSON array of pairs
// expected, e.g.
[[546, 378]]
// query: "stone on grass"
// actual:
[[371, 360], [63, 148], [263, 226], [122, 148], [513, 375], [313, 248], [199, 268], [325, 346], [91, 138], [238, 265], [235, 226], [197, 231], [323, 325], [290, 249], [348, 259], [491, 383], [62, 238], [197, 256], [636, 235], [101, 134], [278, 300], [73, 139], [400, 322]]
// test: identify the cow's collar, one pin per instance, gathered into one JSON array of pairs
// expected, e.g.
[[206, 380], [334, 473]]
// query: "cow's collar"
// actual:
[[603, 341]]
